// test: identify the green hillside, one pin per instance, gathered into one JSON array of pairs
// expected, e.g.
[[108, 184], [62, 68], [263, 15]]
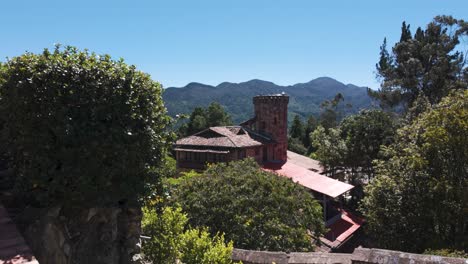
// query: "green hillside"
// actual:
[[305, 98]]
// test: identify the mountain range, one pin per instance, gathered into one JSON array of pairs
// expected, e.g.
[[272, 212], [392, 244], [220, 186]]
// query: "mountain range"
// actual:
[[305, 98]]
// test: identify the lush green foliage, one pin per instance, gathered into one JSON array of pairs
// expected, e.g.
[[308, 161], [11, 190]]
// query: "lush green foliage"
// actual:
[[297, 128], [427, 63], [296, 136], [78, 125], [330, 148], [165, 231], [295, 145], [353, 146], [364, 135], [331, 112], [255, 209], [418, 199], [310, 127], [170, 240], [200, 248], [201, 118]]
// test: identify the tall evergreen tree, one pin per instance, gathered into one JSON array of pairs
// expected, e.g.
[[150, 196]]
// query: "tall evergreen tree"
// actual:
[[297, 128], [428, 63], [405, 32], [310, 127]]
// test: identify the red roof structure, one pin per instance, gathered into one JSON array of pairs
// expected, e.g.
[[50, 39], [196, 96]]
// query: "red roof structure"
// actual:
[[310, 179], [341, 228], [303, 170]]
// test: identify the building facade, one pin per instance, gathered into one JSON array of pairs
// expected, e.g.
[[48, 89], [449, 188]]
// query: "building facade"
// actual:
[[263, 137]]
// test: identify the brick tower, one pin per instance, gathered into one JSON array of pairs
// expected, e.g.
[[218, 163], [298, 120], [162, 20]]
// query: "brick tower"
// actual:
[[271, 118]]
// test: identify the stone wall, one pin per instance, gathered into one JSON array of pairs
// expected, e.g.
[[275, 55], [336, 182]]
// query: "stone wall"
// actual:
[[359, 256], [91, 235]]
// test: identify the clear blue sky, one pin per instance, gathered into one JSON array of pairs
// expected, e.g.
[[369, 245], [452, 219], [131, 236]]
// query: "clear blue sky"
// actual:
[[211, 41]]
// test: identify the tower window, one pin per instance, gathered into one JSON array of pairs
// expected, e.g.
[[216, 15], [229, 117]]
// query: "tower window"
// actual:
[[262, 125], [275, 121]]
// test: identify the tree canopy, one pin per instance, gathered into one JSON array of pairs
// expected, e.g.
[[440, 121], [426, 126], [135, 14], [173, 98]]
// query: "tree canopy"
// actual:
[[418, 199], [78, 125], [202, 118], [427, 63], [364, 134], [257, 210], [330, 148]]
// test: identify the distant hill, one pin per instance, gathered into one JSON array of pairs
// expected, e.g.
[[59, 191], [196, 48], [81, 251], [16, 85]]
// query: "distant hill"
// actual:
[[305, 98]]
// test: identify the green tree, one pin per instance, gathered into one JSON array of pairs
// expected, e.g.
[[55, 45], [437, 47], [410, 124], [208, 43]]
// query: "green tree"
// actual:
[[418, 199], [203, 118], [364, 134], [427, 64], [170, 240], [200, 248], [217, 116], [296, 135], [297, 128], [78, 125], [295, 145], [331, 111], [257, 210], [310, 127], [330, 148]]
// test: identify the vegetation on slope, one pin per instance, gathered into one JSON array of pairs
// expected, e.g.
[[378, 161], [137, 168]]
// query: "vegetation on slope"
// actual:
[[236, 98]]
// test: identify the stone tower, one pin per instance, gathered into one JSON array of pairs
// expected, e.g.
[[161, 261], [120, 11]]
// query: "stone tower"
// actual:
[[271, 118]]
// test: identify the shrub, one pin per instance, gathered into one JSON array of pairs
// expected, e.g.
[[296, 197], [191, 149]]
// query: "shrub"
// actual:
[[257, 210], [81, 127], [170, 241]]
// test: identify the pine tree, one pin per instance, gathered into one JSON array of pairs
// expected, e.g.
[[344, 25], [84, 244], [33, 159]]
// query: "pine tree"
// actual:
[[428, 64]]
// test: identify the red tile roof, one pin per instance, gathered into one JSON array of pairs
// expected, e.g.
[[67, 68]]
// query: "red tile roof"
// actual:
[[224, 136], [305, 162], [341, 229], [310, 179]]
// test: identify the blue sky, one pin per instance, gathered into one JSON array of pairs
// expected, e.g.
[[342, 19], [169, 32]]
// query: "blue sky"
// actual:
[[211, 41]]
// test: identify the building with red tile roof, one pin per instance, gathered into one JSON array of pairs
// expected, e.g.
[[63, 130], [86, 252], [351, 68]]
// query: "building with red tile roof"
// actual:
[[264, 138]]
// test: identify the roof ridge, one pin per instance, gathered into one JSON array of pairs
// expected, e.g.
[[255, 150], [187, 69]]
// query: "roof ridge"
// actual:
[[232, 141], [227, 136]]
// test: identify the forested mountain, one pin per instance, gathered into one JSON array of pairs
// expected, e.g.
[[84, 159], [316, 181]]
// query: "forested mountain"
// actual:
[[305, 98]]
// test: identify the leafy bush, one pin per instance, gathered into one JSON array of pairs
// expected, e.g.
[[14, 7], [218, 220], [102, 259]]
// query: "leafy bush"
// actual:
[[80, 125], [447, 253], [200, 248], [165, 230], [170, 241], [256, 209]]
